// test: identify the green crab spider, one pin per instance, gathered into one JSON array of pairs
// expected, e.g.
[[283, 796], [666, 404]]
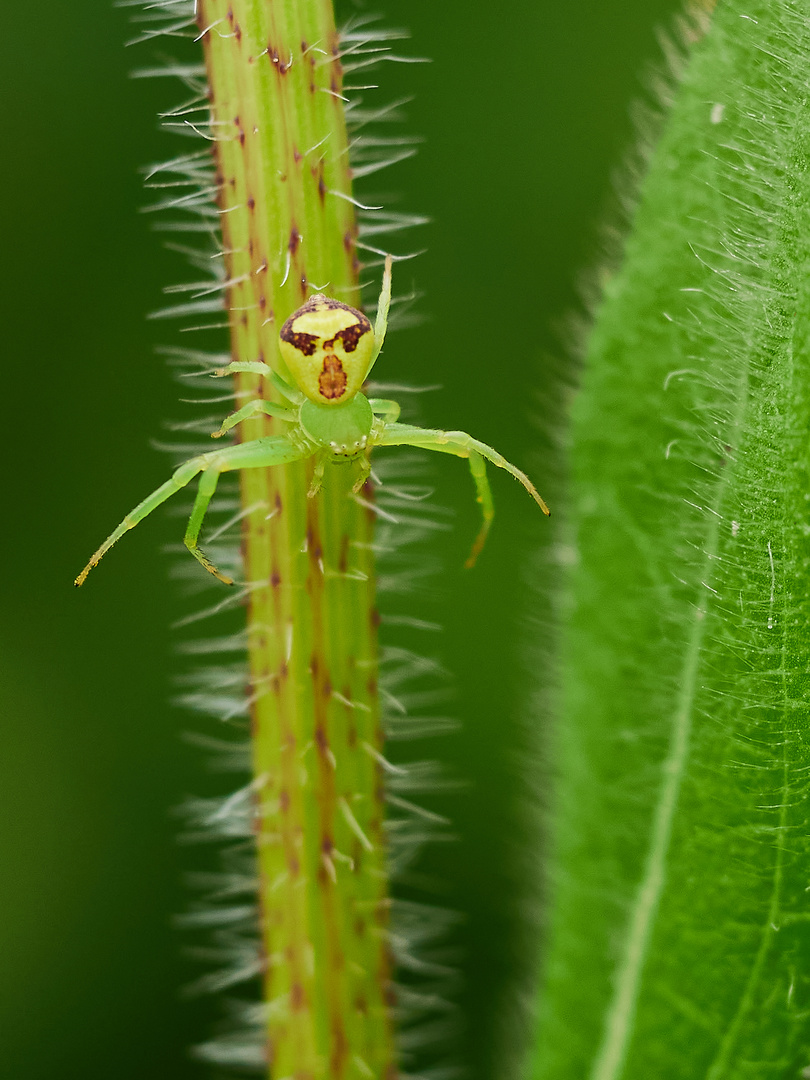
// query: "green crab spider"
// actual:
[[329, 349]]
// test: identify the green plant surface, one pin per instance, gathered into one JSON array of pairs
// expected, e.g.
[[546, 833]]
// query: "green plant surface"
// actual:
[[678, 943], [285, 202], [94, 753]]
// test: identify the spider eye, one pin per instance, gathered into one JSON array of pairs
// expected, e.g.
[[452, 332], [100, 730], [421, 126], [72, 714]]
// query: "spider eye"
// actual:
[[327, 347]]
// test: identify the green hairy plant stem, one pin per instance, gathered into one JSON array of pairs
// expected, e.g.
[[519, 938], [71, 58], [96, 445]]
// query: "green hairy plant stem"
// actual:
[[678, 940], [288, 224]]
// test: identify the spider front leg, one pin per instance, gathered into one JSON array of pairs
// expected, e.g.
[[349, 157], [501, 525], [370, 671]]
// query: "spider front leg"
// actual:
[[484, 497], [256, 454], [259, 453], [462, 445], [205, 492], [182, 476]]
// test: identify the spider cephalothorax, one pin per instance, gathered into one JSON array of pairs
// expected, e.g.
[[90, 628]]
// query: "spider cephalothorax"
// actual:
[[329, 349]]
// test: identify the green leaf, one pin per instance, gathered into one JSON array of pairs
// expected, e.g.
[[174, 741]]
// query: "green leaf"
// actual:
[[679, 936]]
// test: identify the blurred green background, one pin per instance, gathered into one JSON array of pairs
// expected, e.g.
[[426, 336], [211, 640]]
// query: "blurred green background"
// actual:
[[524, 112]]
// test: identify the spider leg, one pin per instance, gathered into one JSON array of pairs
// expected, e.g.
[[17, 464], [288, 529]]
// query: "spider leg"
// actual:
[[258, 367], [259, 453], [462, 445], [381, 322], [317, 477], [256, 454], [205, 492], [182, 476], [388, 410], [286, 389], [257, 407], [484, 496], [365, 472]]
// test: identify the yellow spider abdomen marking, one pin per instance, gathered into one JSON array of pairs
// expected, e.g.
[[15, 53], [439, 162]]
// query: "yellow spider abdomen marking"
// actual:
[[327, 347]]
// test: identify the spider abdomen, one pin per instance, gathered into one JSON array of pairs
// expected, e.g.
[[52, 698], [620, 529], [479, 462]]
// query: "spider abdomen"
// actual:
[[327, 347]]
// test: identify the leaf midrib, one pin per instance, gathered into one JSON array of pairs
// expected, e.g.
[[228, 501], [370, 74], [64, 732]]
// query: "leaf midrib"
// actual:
[[620, 1019]]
